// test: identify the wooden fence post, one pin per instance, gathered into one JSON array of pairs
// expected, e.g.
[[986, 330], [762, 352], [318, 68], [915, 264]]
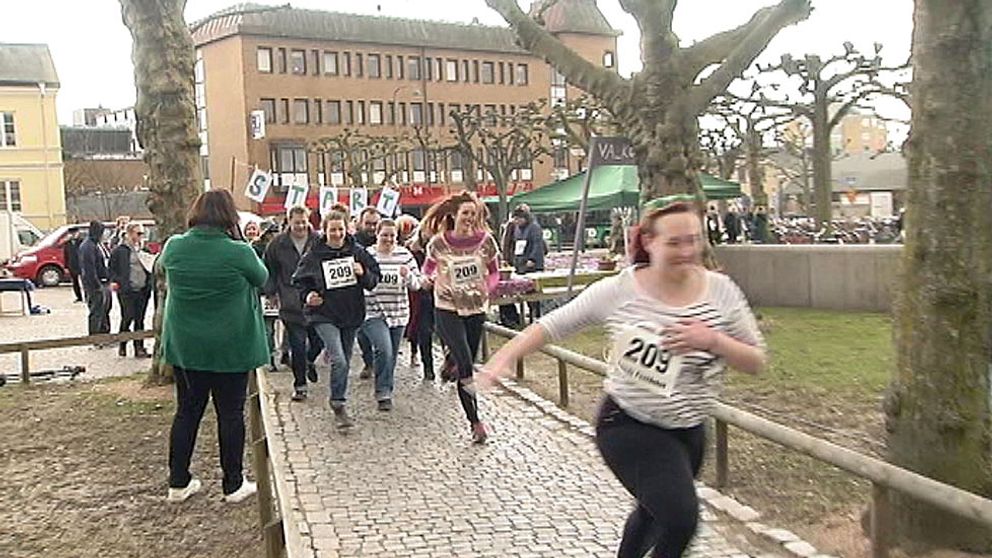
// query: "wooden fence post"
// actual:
[[25, 365], [562, 384], [722, 450], [271, 527], [880, 521], [520, 369]]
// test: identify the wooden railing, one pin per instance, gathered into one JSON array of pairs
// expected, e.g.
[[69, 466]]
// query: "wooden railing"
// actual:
[[25, 347], [883, 476]]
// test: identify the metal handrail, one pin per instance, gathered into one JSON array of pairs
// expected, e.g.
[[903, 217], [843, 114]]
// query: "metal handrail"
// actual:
[[883, 475]]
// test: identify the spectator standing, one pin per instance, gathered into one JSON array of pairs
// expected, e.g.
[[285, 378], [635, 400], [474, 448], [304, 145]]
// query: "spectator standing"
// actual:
[[93, 256], [132, 282], [70, 254]]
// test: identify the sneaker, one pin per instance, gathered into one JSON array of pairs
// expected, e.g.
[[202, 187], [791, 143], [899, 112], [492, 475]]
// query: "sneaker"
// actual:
[[312, 372], [385, 404], [284, 359], [341, 417], [479, 434], [247, 490], [299, 395], [177, 495], [366, 373], [122, 351]]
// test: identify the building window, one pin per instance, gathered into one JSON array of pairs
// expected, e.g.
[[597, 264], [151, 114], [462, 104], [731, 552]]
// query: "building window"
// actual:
[[375, 66], [330, 63], [15, 195], [465, 72], [521, 74], [349, 112], [346, 64], [413, 68], [375, 113], [316, 62], [8, 137], [452, 70], [490, 115], [502, 73], [301, 111], [440, 114], [509, 73], [269, 108], [391, 113], [428, 69], [318, 111], [389, 66], [264, 58], [399, 67], [284, 110], [333, 110], [289, 163], [360, 115], [430, 114], [475, 71], [298, 62], [402, 113], [416, 114], [439, 72], [281, 60], [608, 59], [359, 65]]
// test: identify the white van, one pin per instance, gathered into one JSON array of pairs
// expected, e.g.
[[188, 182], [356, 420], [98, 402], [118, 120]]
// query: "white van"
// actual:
[[15, 235]]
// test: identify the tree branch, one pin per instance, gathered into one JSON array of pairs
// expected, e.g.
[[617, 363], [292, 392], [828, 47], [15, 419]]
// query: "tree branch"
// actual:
[[601, 82], [760, 31]]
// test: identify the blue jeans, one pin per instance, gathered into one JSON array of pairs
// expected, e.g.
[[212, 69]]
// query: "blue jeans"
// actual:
[[304, 346], [338, 342], [365, 344], [385, 343]]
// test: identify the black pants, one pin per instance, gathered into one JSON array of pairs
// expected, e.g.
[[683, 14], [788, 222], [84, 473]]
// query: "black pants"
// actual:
[[98, 300], [77, 288], [193, 388], [304, 346], [133, 304], [462, 335], [657, 466], [424, 334]]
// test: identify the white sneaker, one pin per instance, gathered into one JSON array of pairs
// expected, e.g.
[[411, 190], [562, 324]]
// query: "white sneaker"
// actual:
[[177, 495], [247, 490]]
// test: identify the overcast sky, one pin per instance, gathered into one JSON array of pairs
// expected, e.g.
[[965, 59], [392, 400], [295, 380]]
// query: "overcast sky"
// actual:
[[92, 48]]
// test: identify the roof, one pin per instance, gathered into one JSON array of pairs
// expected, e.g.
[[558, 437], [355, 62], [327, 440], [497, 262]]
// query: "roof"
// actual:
[[576, 16], [27, 64], [286, 21], [867, 172]]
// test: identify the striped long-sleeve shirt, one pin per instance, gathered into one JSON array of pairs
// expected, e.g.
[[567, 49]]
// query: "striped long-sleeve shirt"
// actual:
[[645, 380], [389, 298]]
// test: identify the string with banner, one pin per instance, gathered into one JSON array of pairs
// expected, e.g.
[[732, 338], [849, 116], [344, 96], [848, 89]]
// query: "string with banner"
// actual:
[[258, 185], [358, 200], [328, 197], [297, 193]]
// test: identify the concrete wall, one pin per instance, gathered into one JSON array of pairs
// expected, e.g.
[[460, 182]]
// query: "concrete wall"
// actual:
[[827, 277]]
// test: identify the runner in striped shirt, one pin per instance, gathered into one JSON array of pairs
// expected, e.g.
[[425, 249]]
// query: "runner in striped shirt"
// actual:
[[673, 327], [388, 308]]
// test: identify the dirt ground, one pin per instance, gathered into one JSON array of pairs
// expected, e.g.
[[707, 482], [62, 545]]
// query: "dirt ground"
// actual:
[[83, 469]]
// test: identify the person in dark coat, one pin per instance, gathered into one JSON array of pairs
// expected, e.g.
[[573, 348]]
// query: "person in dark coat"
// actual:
[[282, 256], [93, 257], [732, 224], [332, 278], [368, 222], [528, 249], [70, 254], [132, 282]]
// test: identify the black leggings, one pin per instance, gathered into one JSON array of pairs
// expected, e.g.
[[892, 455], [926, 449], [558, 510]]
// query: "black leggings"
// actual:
[[462, 335], [657, 466]]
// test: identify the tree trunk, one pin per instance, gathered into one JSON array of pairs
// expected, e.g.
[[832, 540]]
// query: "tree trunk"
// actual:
[[822, 188], [667, 151], [755, 172], [163, 58], [938, 408]]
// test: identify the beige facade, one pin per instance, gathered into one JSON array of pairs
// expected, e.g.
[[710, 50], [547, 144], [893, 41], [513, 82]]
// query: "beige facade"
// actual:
[[311, 88], [859, 133]]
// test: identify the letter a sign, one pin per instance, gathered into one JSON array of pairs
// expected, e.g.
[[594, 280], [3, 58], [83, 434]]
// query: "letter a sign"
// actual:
[[297, 194], [258, 186], [328, 197]]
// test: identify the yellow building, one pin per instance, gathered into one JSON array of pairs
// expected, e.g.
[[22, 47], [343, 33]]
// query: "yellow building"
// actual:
[[30, 147]]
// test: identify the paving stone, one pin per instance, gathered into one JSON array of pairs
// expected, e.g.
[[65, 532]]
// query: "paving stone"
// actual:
[[801, 548]]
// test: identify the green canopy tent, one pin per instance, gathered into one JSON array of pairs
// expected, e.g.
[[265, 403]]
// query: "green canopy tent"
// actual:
[[611, 186]]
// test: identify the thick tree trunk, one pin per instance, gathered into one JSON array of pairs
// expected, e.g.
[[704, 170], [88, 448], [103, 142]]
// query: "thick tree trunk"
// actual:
[[163, 59], [938, 409], [822, 188], [755, 172], [667, 151]]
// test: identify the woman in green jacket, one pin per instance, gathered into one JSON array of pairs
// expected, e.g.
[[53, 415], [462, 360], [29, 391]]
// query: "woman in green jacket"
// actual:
[[212, 335]]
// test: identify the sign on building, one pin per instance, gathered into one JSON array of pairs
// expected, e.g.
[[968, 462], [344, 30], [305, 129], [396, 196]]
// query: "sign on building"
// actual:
[[389, 202], [258, 185], [297, 193], [358, 200], [256, 122], [328, 197]]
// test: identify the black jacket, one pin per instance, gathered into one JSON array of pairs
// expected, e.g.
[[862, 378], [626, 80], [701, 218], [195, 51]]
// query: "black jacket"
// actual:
[[365, 239], [282, 259], [120, 270], [92, 265], [344, 306], [532, 238], [70, 253]]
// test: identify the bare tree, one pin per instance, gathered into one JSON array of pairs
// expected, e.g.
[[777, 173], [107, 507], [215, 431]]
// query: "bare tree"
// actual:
[[939, 408], [795, 158], [361, 156], [657, 108], [501, 145], [165, 110], [721, 150], [108, 181], [827, 91]]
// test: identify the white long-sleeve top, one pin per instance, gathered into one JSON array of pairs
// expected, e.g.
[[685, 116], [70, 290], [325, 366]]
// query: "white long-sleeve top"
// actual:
[[639, 374], [388, 300]]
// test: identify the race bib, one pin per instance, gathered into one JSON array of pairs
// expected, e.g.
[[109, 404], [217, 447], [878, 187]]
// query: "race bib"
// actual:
[[390, 279], [339, 273], [466, 272], [639, 354], [519, 247], [269, 310]]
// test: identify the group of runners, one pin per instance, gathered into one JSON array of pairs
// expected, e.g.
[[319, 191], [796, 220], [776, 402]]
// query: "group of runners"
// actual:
[[673, 326]]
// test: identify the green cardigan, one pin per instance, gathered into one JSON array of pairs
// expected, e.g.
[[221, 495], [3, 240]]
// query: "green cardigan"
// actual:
[[213, 318]]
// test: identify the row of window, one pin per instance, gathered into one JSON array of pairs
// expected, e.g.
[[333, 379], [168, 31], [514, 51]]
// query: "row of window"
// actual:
[[15, 195], [377, 66], [8, 137], [289, 162], [372, 113]]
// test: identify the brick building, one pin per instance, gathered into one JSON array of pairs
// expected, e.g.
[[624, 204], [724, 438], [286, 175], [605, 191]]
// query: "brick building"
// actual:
[[316, 73]]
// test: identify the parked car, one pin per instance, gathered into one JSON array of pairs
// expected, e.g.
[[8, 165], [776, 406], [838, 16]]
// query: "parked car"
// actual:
[[44, 263], [16, 234]]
